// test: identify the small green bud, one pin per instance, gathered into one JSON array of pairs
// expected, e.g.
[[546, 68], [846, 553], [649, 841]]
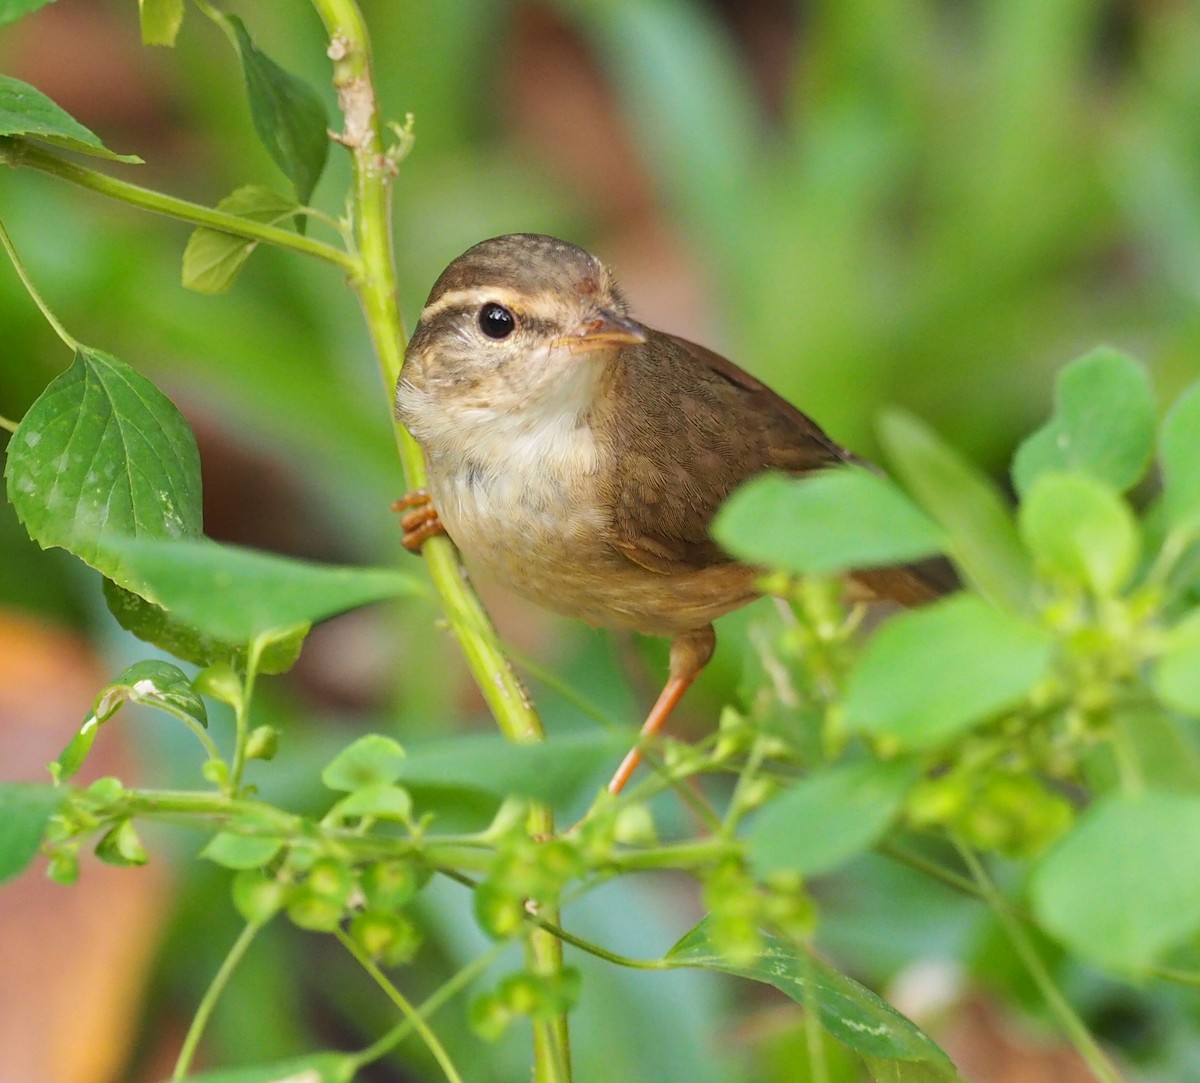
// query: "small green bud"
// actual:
[[331, 880], [314, 912], [216, 772], [104, 791], [388, 937], [499, 912], [121, 846], [257, 897], [634, 826], [389, 885], [490, 1017], [64, 864], [221, 682], [262, 743]]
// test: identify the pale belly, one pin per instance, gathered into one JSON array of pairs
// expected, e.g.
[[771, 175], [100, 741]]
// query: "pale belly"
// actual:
[[548, 544]]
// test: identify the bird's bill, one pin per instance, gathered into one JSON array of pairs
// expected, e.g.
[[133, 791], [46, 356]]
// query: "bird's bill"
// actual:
[[603, 332]]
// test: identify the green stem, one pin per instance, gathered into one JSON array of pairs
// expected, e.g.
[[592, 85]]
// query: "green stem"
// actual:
[[6, 423], [445, 992], [737, 808], [1076, 1031], [201, 733], [241, 715], [27, 282], [211, 994], [350, 50], [410, 1013], [376, 289], [569, 938], [20, 153]]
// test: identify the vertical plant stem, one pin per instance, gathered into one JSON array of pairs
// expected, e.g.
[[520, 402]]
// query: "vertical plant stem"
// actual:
[[200, 1020], [1079, 1035], [375, 285], [350, 51], [241, 715]]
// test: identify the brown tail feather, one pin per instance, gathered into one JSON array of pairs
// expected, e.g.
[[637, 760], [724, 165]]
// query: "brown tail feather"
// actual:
[[909, 584]]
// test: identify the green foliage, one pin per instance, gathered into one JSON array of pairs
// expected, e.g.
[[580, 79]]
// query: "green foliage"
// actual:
[[932, 673], [853, 519], [1046, 714], [212, 259], [102, 454], [850, 1013], [160, 20], [27, 113], [25, 810], [238, 595], [979, 531], [1135, 853], [289, 116], [1102, 425], [830, 816]]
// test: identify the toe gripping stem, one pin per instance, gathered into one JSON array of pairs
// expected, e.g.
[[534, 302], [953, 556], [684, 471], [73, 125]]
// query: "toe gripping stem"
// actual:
[[421, 521]]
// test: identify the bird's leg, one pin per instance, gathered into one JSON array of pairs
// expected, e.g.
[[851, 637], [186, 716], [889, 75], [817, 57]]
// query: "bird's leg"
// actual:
[[690, 653], [419, 524]]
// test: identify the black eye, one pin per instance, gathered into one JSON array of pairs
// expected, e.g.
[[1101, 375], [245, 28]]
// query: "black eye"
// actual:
[[496, 321]]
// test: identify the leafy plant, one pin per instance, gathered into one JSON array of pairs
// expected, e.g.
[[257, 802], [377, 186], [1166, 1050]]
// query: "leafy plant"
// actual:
[[1029, 741]]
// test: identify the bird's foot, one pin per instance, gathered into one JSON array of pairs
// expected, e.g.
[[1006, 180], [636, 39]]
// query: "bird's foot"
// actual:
[[421, 523]]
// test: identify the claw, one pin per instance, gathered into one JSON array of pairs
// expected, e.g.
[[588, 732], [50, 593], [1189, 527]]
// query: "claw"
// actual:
[[420, 524]]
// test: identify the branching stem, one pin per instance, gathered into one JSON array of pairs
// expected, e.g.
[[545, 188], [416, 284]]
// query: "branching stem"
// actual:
[[20, 153]]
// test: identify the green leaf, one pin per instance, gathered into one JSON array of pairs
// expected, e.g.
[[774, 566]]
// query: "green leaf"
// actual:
[[1103, 424], [71, 758], [153, 683], [829, 816], [121, 846], [849, 1012], [928, 674], [314, 1068], [102, 454], [160, 20], [234, 851], [373, 760], [1177, 671], [25, 111], [831, 521], [1179, 452], [25, 809], [979, 527], [237, 594], [1124, 885], [380, 801], [289, 116], [555, 771], [1079, 529], [155, 625], [212, 258]]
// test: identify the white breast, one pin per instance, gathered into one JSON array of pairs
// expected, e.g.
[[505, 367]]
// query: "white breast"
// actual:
[[513, 482]]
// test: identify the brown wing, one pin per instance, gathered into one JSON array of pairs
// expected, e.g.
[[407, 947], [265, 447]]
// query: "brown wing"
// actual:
[[707, 427]]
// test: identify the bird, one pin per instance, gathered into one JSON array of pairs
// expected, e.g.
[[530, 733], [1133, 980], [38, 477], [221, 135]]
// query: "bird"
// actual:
[[578, 456]]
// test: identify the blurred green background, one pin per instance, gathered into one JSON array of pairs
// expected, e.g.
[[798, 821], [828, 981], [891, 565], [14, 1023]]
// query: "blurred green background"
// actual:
[[864, 202]]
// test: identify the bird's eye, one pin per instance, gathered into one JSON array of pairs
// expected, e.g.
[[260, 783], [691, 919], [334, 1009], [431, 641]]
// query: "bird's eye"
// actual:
[[496, 321]]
